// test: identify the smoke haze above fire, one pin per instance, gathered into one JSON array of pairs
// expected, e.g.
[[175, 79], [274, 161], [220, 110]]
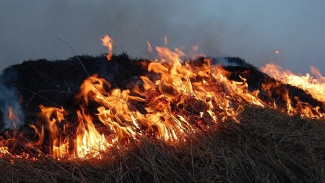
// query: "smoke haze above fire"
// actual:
[[253, 30]]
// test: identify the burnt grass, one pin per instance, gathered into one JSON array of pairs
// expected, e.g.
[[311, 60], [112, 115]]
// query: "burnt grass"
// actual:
[[266, 146]]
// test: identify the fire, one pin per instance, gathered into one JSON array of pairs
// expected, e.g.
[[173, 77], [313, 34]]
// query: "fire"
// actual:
[[178, 99], [89, 141], [149, 47], [108, 42], [12, 115], [277, 52], [313, 83]]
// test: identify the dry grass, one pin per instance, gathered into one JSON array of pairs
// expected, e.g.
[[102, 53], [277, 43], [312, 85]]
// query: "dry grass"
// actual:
[[267, 146]]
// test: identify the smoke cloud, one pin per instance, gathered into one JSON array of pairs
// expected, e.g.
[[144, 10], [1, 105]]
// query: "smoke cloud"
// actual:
[[9, 103], [253, 30]]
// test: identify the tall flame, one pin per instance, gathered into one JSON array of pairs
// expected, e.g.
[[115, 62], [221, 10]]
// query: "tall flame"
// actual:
[[179, 98], [108, 42]]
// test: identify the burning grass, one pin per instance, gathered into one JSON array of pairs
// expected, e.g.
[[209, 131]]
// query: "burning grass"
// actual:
[[166, 120], [171, 101], [267, 146]]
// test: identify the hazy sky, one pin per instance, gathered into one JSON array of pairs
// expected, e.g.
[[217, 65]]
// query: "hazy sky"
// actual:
[[251, 29]]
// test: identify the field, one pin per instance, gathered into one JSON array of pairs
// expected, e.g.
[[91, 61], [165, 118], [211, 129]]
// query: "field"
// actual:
[[266, 146]]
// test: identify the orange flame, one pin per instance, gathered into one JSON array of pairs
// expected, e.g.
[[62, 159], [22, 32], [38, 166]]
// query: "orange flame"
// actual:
[[177, 99], [108, 42], [149, 47], [12, 115], [312, 83]]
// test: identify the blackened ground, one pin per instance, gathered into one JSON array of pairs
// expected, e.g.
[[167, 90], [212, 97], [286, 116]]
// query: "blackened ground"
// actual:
[[55, 83]]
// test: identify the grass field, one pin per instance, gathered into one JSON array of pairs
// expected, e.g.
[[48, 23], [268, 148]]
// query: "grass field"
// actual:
[[266, 146]]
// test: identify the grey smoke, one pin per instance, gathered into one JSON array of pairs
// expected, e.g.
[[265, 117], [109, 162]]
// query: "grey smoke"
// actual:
[[251, 29], [224, 62], [9, 99]]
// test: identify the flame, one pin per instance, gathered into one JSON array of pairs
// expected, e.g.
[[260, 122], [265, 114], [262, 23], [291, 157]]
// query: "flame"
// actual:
[[149, 47], [277, 52], [108, 42], [53, 118], [178, 99], [166, 41], [89, 142], [12, 115], [313, 83]]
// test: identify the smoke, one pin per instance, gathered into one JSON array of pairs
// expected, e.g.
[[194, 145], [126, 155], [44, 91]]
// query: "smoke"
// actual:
[[9, 104], [252, 30], [224, 61]]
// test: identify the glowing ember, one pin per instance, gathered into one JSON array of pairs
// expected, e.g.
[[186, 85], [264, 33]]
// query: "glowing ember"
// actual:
[[108, 42], [166, 42], [277, 52]]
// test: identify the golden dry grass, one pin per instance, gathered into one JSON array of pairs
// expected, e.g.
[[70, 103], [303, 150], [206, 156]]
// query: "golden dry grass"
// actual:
[[267, 146]]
